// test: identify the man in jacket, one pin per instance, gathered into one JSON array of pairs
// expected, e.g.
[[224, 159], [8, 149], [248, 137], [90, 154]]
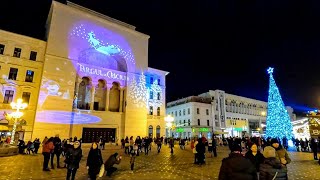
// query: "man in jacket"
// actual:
[[108, 165], [237, 167], [57, 151]]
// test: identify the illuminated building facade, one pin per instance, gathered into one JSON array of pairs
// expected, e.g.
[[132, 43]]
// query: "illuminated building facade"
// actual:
[[21, 62], [96, 80], [230, 114], [192, 117]]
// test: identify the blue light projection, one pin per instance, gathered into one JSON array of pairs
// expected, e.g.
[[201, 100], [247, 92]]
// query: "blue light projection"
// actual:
[[101, 47], [64, 117]]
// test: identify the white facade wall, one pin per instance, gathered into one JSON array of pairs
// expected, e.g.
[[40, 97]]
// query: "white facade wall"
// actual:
[[199, 112]]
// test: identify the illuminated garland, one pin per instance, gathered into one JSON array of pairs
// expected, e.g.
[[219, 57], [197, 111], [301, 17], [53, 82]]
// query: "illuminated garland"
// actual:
[[138, 91], [278, 120], [155, 88]]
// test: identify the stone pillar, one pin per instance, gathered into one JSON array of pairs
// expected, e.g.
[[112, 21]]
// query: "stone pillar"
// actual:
[[121, 100], [107, 99], [92, 97]]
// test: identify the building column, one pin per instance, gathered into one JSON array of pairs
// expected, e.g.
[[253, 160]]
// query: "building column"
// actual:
[[93, 89], [107, 99], [121, 100]]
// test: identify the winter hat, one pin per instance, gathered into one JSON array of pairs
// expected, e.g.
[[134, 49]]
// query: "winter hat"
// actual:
[[236, 148], [274, 140], [269, 152]]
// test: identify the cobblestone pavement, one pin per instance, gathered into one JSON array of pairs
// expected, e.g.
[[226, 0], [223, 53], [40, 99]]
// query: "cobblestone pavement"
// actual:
[[153, 166]]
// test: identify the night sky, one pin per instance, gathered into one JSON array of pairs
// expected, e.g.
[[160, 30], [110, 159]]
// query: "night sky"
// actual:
[[209, 44]]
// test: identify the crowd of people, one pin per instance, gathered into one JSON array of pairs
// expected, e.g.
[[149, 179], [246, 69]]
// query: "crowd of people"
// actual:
[[264, 160]]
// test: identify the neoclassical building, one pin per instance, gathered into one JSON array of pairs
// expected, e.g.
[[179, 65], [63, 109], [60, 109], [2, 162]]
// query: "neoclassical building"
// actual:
[[95, 79]]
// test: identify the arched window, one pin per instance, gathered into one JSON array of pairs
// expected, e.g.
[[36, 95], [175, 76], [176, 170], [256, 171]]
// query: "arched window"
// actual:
[[158, 111], [100, 95], [84, 94], [158, 96], [150, 131], [198, 122], [114, 97], [158, 131]]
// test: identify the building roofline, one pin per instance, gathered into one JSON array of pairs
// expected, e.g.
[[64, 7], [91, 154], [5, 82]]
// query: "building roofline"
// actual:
[[24, 36], [158, 70]]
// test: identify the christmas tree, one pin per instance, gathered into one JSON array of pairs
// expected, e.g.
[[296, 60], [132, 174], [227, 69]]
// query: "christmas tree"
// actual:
[[278, 120]]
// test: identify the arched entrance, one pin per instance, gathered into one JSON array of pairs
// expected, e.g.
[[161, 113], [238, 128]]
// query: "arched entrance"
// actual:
[[150, 131], [158, 131]]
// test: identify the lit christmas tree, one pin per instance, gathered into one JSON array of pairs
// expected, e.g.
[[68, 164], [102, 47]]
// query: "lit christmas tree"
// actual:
[[278, 120]]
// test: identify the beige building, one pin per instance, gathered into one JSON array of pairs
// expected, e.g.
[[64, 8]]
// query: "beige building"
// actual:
[[96, 80], [21, 63]]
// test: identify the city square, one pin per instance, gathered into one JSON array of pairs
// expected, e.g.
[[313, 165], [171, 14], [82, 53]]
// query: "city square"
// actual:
[[153, 166]]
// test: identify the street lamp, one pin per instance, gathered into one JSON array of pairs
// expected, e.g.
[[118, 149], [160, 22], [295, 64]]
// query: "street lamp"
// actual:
[[16, 115], [169, 119]]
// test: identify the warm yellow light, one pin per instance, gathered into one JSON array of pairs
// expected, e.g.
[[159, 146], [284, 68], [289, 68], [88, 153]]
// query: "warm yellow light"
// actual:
[[263, 113], [258, 129], [169, 119]]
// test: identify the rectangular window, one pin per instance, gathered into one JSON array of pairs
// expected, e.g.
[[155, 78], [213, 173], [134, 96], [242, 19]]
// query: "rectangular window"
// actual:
[[180, 113], [208, 123], [184, 122], [188, 110], [8, 96], [198, 111], [29, 76], [184, 112], [188, 122], [159, 82], [198, 122], [217, 123], [17, 52], [151, 95], [175, 113], [151, 110], [158, 96], [207, 111], [151, 80], [215, 117], [13, 73], [158, 111], [33, 55], [26, 97], [2, 48]]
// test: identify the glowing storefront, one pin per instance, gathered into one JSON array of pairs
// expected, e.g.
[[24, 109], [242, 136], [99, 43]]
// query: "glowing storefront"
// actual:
[[96, 80]]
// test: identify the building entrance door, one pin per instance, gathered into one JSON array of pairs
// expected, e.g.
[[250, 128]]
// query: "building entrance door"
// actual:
[[90, 135]]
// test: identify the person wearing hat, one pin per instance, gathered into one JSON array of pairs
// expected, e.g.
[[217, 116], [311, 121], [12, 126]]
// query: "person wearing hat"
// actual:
[[237, 167], [108, 165], [73, 157], [281, 153], [271, 168]]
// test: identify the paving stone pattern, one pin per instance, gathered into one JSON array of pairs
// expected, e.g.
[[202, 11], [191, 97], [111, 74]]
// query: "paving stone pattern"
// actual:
[[153, 166]]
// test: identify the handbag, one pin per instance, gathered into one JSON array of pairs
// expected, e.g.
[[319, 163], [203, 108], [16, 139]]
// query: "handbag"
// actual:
[[101, 172], [275, 176]]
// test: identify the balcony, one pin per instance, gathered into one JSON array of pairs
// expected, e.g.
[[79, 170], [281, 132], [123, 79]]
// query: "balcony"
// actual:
[[154, 117]]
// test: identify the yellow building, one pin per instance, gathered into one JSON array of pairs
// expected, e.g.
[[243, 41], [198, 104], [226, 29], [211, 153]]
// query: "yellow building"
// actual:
[[21, 63], [96, 80]]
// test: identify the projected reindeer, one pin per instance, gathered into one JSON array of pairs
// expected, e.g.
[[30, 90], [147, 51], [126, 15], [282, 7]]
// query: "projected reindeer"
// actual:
[[108, 50]]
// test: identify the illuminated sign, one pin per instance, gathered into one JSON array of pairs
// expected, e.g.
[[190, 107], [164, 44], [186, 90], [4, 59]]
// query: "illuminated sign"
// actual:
[[94, 71], [180, 130], [204, 129]]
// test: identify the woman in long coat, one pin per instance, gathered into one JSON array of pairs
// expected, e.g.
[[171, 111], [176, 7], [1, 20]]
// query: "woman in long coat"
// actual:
[[94, 161]]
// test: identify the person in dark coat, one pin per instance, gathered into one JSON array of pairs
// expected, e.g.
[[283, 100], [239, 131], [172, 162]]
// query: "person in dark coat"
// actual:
[[314, 147], [108, 165], [72, 160], [272, 168], [201, 149], [255, 156], [94, 161], [57, 151], [237, 167], [36, 143]]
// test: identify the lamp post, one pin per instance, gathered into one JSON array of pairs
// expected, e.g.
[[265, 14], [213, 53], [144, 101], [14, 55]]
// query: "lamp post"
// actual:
[[16, 115], [263, 113], [169, 119]]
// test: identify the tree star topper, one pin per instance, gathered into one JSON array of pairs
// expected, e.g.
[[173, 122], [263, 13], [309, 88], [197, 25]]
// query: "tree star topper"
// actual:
[[270, 70]]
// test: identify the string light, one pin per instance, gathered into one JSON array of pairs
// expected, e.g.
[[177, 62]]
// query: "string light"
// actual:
[[278, 120], [138, 91]]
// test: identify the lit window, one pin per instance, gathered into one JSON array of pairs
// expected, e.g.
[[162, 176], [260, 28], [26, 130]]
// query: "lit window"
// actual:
[[13, 73], [151, 110], [29, 76], [26, 97], [8, 96], [17, 52]]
